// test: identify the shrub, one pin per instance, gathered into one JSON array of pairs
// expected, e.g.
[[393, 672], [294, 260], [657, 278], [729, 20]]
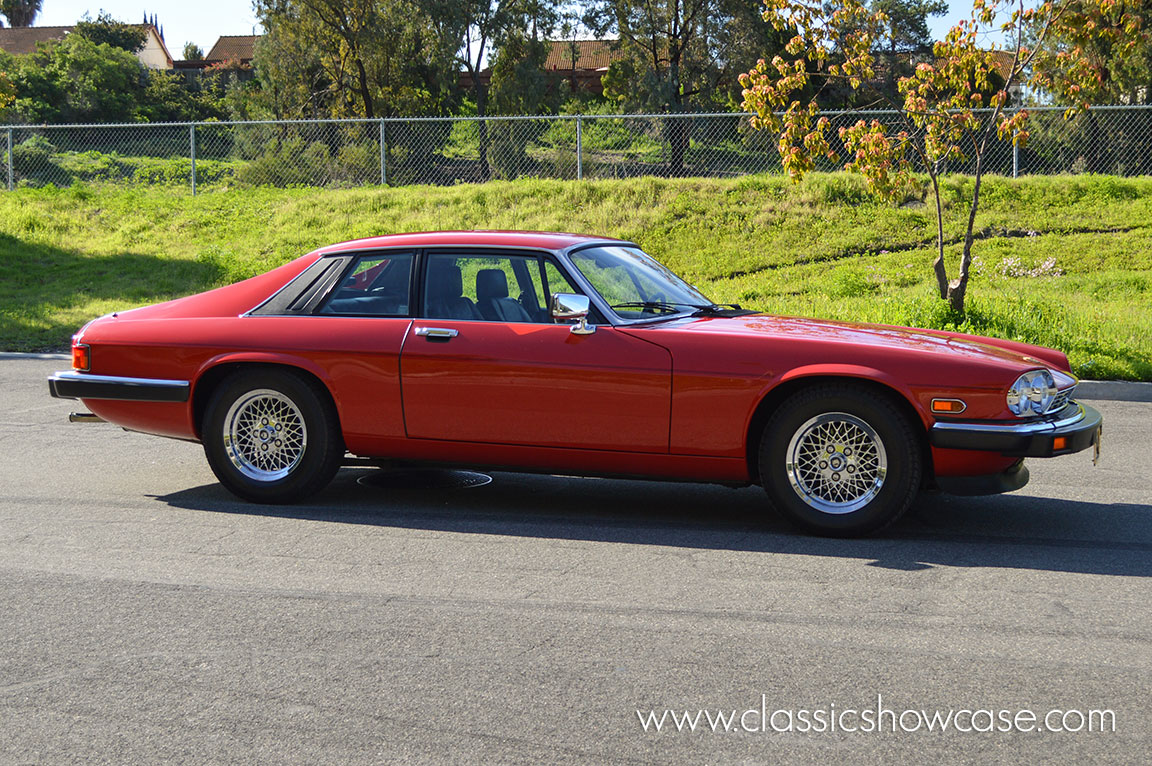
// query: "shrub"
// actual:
[[33, 162]]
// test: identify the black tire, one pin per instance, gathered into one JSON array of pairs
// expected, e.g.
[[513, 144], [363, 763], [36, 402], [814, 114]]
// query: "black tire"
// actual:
[[809, 491], [289, 446]]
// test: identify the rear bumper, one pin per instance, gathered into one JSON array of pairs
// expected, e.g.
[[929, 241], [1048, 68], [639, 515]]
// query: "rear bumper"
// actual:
[[70, 384], [1077, 425]]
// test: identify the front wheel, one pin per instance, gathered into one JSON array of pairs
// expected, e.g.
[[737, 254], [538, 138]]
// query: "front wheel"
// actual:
[[840, 460], [271, 437]]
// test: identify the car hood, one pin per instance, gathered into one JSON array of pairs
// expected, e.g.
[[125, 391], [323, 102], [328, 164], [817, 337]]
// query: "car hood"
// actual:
[[1006, 353]]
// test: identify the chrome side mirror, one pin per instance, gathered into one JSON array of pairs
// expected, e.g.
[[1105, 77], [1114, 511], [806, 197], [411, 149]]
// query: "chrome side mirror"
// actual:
[[569, 306]]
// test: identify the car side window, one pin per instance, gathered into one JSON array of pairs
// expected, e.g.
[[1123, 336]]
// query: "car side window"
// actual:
[[488, 288], [557, 282], [377, 285]]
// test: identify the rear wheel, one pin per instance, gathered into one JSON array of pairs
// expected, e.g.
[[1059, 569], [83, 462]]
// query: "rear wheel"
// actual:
[[271, 436], [840, 460]]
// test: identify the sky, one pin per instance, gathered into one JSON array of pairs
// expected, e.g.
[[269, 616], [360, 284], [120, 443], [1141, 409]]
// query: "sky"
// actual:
[[202, 21], [939, 25], [198, 21]]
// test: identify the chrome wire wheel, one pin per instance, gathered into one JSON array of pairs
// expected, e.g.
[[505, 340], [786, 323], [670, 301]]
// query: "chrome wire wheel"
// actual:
[[836, 463], [264, 435]]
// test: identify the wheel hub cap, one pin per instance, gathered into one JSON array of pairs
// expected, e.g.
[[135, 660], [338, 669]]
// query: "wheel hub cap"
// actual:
[[264, 435], [836, 463]]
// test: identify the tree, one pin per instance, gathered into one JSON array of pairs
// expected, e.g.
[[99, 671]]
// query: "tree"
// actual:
[[681, 56], [483, 26], [77, 80], [20, 13], [569, 31], [354, 58], [657, 34], [657, 75], [519, 86], [735, 39], [290, 80], [82, 79], [476, 25], [1122, 75], [106, 29], [7, 91], [905, 29], [193, 52], [904, 39], [952, 107], [168, 98]]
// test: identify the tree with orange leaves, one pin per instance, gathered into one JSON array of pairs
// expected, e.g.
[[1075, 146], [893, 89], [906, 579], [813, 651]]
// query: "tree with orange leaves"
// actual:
[[7, 92], [951, 107]]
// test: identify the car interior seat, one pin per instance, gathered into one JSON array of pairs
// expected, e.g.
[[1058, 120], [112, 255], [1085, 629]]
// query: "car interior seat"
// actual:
[[492, 298], [446, 293]]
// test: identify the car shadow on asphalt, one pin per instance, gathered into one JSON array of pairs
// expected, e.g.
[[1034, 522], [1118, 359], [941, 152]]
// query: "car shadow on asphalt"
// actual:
[[1015, 531]]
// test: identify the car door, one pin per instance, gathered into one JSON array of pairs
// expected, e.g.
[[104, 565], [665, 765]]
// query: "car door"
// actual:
[[482, 366]]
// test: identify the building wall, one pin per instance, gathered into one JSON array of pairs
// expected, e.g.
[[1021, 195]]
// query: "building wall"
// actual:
[[153, 55]]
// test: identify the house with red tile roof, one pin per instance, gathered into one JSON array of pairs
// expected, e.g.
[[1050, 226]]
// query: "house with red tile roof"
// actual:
[[581, 62], [228, 48], [23, 40]]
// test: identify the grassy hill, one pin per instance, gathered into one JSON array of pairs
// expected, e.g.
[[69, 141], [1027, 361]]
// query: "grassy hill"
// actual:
[[1064, 262]]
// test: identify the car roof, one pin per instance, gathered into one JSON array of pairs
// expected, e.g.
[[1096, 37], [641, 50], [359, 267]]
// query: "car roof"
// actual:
[[543, 240]]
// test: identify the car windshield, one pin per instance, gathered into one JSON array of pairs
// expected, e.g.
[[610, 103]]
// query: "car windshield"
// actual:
[[635, 285]]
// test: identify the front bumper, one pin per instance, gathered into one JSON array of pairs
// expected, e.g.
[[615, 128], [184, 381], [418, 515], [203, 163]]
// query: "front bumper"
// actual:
[[70, 384], [1009, 480], [1078, 425]]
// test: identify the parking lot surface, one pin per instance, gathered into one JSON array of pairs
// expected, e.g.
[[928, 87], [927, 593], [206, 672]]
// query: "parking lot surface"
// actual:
[[146, 614]]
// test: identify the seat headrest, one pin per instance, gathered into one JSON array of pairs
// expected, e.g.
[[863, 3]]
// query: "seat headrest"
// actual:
[[444, 280], [491, 284]]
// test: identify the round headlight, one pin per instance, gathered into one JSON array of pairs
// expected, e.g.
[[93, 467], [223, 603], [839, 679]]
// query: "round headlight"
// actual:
[[1032, 393]]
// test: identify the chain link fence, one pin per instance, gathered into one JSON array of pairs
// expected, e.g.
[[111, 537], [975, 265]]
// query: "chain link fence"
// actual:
[[347, 153]]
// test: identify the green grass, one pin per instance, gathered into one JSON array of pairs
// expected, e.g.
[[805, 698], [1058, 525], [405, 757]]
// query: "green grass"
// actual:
[[1064, 262]]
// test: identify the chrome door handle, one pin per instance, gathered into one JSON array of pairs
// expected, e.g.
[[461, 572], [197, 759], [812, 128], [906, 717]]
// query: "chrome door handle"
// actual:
[[437, 332]]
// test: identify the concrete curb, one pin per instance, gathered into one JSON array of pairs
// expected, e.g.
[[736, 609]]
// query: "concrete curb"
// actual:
[[1115, 390], [19, 355], [1111, 390]]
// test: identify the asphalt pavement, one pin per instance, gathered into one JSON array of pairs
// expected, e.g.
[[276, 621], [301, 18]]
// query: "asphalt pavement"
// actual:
[[146, 615]]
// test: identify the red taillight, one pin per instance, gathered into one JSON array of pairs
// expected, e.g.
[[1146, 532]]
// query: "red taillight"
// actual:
[[81, 357]]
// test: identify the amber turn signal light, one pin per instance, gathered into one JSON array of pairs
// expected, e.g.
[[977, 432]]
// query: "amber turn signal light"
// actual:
[[948, 406], [1060, 442], [81, 359]]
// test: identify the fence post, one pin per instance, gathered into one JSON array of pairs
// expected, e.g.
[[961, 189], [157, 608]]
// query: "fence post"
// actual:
[[192, 144], [1015, 153], [579, 149], [383, 154], [9, 159]]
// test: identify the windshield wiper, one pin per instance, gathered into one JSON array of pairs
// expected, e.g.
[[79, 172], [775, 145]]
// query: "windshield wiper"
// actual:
[[709, 309], [654, 306], [720, 308]]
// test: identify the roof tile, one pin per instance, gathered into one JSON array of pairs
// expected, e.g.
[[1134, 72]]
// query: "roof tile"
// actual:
[[233, 47], [590, 54]]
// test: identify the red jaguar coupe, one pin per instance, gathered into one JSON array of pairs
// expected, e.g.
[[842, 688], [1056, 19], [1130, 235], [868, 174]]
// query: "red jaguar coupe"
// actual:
[[574, 355]]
